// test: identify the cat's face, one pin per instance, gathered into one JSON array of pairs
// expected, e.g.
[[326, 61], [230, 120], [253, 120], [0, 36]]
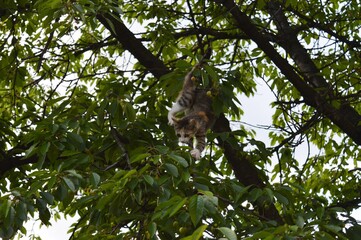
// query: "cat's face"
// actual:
[[184, 136], [185, 129]]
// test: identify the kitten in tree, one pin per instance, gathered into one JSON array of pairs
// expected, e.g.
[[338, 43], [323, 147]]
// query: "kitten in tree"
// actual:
[[198, 117]]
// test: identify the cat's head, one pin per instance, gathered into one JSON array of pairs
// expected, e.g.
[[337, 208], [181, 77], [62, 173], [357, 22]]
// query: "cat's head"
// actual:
[[185, 129]]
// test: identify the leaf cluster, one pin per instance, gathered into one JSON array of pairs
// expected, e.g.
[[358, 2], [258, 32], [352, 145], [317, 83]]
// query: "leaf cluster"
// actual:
[[84, 132]]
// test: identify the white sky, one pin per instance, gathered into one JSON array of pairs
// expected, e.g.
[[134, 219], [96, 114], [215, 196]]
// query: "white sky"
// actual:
[[57, 231]]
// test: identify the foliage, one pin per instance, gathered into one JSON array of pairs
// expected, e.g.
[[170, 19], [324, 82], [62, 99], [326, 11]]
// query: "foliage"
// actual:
[[84, 90]]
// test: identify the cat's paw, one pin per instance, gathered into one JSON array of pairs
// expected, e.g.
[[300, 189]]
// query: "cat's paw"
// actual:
[[196, 153], [170, 119]]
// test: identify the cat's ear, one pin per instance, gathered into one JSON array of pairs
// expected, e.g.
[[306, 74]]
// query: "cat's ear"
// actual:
[[194, 124]]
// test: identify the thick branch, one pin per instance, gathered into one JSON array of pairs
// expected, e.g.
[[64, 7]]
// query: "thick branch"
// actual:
[[245, 171], [133, 45], [11, 161], [297, 52]]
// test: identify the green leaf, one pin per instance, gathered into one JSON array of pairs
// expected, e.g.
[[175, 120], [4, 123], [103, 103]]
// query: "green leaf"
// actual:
[[69, 183], [76, 140], [45, 216], [162, 149], [197, 234], [10, 217], [43, 149], [29, 104], [228, 233], [281, 198], [333, 228], [300, 222], [138, 157], [30, 151], [55, 100], [68, 153], [196, 208], [78, 8], [49, 198], [129, 173], [61, 192], [94, 179], [211, 204], [129, 111], [152, 228], [212, 73], [187, 52], [5, 207], [179, 159], [354, 232], [74, 173], [149, 179], [255, 194], [104, 201], [21, 211], [205, 79], [176, 208], [173, 170]]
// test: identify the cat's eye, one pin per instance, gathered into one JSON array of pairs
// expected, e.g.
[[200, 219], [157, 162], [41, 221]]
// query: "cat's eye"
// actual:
[[178, 135], [186, 135]]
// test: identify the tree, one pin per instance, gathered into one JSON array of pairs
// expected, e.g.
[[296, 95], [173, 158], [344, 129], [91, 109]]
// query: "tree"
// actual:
[[85, 87]]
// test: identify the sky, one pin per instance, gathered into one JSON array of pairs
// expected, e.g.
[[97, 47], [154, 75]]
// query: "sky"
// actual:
[[57, 231]]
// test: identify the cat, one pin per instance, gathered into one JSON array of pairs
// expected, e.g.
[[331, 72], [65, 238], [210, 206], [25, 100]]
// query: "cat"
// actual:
[[198, 116]]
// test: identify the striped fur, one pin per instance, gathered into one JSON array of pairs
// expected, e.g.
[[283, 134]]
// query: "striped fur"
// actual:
[[198, 118]]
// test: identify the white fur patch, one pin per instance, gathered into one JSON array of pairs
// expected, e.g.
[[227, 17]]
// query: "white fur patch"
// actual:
[[176, 108]]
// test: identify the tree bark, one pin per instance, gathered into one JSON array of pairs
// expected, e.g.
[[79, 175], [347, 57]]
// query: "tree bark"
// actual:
[[10, 160], [243, 169], [133, 45]]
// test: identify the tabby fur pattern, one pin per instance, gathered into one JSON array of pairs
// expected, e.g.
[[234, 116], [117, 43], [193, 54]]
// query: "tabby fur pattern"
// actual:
[[198, 115]]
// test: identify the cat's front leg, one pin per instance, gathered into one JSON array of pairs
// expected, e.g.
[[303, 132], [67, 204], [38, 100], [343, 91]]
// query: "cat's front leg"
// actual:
[[201, 143], [170, 118]]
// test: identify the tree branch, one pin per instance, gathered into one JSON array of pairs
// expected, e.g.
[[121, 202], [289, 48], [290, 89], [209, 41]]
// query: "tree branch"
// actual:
[[95, 46], [10, 160], [45, 49], [133, 45], [244, 170], [348, 205], [324, 28]]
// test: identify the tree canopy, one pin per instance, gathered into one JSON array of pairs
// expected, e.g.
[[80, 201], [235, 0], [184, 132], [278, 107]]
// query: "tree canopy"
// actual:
[[85, 87]]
